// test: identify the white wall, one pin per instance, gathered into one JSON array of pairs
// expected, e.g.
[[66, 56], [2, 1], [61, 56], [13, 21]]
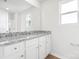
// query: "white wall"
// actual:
[[49, 12], [63, 35], [3, 21], [19, 22], [35, 16], [49, 16], [14, 21]]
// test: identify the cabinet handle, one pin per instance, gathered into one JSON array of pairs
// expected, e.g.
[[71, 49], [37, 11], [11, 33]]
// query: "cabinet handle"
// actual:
[[74, 44], [15, 48]]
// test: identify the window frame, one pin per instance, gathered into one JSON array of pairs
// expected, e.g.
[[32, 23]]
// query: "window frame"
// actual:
[[60, 14]]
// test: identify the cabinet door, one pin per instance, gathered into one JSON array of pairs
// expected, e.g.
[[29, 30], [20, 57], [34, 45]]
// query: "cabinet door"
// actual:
[[18, 55], [48, 44], [32, 49], [42, 48], [10, 49], [21, 55], [32, 52]]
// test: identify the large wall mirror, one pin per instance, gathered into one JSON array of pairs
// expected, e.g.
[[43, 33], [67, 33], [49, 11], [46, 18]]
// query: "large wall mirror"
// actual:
[[19, 15]]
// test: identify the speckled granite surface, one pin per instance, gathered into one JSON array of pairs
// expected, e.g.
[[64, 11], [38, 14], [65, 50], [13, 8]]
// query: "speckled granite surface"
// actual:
[[15, 37]]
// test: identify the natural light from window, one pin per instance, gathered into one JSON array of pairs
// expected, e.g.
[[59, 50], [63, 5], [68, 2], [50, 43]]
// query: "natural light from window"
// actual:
[[69, 12]]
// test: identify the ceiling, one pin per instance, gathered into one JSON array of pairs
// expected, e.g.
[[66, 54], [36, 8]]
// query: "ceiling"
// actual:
[[15, 5]]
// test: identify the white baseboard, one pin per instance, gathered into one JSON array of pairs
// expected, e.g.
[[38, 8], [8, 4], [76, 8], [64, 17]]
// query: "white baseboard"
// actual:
[[59, 56]]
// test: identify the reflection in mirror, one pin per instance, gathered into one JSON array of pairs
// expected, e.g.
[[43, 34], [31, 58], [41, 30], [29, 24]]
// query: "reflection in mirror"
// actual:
[[19, 15]]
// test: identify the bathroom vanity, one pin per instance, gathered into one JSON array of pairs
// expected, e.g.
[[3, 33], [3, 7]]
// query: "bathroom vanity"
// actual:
[[25, 45]]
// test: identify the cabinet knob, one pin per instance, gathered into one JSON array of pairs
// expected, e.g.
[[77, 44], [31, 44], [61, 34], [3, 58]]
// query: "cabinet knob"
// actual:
[[22, 55], [37, 47], [15, 48], [40, 45]]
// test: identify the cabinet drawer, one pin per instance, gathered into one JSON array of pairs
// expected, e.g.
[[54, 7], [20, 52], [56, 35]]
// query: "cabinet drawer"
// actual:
[[18, 55], [10, 49], [32, 42]]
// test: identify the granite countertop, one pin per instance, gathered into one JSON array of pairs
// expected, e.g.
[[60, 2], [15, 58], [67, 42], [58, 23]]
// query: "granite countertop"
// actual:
[[15, 37]]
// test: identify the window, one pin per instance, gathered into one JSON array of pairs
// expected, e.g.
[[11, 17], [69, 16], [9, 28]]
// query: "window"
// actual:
[[69, 11]]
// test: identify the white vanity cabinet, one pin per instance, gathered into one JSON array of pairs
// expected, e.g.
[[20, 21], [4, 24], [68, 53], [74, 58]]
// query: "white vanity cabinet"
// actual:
[[38, 48], [32, 49], [1, 51], [13, 51], [17, 55], [48, 44], [21, 55], [42, 47]]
